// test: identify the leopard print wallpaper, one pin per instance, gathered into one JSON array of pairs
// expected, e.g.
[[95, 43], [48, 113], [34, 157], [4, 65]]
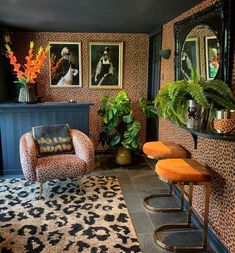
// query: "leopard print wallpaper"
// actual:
[[135, 71], [218, 156]]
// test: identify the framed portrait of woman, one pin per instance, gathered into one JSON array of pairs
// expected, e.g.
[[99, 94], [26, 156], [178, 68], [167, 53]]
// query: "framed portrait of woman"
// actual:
[[65, 64], [212, 56], [105, 65]]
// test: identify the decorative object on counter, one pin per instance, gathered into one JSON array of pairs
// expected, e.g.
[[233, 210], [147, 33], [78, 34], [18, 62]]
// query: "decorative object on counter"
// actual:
[[72, 100], [27, 94], [171, 100], [119, 128], [224, 122], [196, 115], [27, 73]]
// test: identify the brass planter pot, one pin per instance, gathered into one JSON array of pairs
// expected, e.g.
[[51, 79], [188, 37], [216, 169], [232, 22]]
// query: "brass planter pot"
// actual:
[[123, 156], [224, 122]]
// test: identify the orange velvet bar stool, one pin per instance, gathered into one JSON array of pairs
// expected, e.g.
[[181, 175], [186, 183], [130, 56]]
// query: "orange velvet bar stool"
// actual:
[[184, 172], [158, 150]]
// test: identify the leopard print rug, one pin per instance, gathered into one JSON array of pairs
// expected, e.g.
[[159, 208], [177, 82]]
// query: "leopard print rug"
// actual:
[[63, 220]]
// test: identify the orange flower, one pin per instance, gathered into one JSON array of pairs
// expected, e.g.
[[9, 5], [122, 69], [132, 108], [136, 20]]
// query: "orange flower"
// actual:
[[32, 66]]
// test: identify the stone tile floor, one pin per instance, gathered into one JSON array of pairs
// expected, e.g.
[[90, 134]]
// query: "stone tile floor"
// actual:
[[138, 181]]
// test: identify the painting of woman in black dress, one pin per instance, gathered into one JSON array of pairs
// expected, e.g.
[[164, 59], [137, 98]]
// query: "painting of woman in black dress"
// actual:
[[105, 65]]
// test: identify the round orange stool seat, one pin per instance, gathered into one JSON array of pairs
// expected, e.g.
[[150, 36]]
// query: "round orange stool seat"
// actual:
[[182, 170], [158, 150]]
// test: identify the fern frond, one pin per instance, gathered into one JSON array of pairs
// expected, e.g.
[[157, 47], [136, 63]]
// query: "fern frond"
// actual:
[[226, 103], [220, 87], [197, 93]]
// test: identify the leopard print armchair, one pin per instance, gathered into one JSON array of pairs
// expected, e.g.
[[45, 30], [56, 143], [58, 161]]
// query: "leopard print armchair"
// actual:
[[57, 166]]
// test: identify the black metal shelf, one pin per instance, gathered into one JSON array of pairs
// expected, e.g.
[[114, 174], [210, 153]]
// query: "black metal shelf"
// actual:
[[207, 133]]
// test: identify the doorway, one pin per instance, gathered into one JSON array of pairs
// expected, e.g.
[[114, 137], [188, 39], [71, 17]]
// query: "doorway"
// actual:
[[155, 44]]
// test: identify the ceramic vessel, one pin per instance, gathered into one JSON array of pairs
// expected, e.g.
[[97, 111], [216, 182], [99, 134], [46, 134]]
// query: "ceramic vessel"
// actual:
[[27, 95], [196, 116], [224, 122], [123, 156]]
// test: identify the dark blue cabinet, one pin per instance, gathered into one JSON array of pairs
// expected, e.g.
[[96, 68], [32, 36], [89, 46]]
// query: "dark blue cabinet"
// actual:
[[17, 119]]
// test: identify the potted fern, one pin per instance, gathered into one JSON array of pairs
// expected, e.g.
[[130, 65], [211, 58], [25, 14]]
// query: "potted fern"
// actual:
[[189, 101], [120, 131]]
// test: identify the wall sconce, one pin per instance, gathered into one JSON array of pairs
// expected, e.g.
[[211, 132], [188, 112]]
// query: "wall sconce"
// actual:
[[165, 53]]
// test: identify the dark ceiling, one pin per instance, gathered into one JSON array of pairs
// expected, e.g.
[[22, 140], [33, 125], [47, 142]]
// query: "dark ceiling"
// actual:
[[131, 16]]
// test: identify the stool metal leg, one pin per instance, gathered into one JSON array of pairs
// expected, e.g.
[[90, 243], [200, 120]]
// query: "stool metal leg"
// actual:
[[190, 202], [148, 206], [206, 215], [187, 225]]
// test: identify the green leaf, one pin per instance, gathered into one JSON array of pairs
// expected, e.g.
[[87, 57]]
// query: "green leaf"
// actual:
[[115, 140], [128, 118]]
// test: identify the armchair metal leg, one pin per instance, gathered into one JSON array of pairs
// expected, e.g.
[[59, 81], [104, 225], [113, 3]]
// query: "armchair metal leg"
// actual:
[[81, 186], [41, 190]]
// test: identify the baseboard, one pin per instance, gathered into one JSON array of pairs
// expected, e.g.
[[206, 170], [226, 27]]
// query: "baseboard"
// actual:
[[112, 152], [104, 152], [213, 239]]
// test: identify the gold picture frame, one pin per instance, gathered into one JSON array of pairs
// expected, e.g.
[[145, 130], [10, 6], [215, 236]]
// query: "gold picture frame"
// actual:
[[65, 67], [105, 65]]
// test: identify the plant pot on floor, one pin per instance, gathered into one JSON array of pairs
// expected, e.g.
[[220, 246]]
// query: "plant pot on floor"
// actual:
[[123, 156], [196, 116]]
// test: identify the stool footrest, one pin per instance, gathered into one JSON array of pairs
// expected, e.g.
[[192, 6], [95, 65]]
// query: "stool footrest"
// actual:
[[175, 248], [160, 209]]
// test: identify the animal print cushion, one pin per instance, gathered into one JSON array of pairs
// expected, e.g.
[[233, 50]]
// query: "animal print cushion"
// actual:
[[52, 140]]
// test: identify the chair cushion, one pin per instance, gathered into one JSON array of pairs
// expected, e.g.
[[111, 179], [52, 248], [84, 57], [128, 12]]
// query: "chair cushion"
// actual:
[[182, 170], [60, 166], [159, 150], [53, 140]]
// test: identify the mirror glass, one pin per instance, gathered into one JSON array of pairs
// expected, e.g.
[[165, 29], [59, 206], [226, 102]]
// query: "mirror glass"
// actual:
[[201, 50]]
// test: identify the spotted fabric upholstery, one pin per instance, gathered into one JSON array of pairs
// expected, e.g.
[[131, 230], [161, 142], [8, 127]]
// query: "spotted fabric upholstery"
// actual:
[[28, 156], [57, 166]]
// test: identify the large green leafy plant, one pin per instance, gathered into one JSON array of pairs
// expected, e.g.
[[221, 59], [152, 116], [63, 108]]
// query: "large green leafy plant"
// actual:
[[119, 128], [170, 101]]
